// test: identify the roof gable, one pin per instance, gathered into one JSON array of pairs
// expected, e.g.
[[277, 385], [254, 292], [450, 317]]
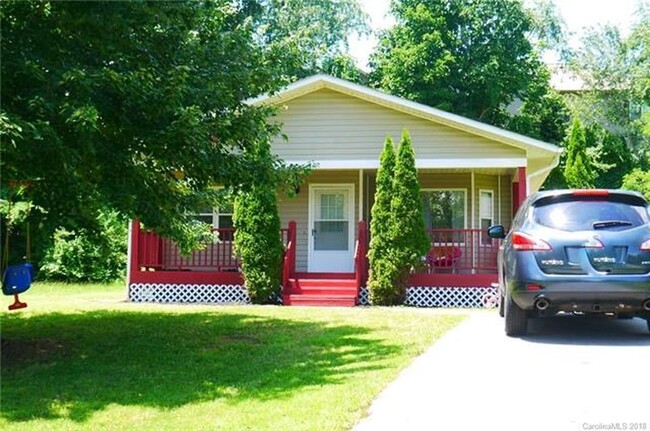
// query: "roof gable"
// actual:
[[318, 82]]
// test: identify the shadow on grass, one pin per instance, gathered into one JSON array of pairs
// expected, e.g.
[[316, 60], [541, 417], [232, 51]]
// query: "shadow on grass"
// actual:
[[71, 365]]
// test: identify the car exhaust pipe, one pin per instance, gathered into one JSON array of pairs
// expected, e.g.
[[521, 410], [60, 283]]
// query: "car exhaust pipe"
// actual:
[[542, 304], [646, 305]]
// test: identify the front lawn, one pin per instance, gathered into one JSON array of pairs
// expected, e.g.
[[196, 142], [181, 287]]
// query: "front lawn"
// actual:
[[79, 357]]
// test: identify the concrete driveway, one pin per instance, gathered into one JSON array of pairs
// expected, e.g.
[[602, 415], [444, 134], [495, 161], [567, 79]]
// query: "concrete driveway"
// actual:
[[567, 374]]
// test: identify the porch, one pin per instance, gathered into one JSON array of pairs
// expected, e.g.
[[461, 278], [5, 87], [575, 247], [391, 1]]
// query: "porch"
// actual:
[[458, 271]]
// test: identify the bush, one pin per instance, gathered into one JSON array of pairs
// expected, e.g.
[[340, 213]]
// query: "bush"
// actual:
[[638, 180], [398, 236], [382, 272], [88, 255], [578, 170], [257, 234], [410, 241]]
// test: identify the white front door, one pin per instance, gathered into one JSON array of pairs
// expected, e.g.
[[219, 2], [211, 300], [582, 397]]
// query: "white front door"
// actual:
[[331, 239]]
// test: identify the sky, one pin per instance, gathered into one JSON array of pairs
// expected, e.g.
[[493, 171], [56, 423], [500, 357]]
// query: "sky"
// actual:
[[577, 14]]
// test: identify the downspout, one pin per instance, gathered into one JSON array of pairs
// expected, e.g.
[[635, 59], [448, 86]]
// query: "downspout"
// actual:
[[498, 221], [361, 192], [554, 163], [473, 179]]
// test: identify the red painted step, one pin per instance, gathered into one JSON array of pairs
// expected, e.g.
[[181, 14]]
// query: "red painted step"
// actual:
[[320, 300], [321, 292]]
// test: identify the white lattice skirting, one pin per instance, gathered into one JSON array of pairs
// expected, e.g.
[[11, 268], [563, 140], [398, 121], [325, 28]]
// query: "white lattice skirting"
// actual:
[[194, 293], [446, 297]]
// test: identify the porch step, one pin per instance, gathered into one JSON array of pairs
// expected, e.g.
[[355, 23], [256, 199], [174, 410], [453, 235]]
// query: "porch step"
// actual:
[[321, 292], [323, 287], [320, 300]]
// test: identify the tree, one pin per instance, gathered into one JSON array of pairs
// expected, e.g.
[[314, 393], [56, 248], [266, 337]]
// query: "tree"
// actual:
[[257, 234], [616, 71], [382, 271], [546, 117], [410, 241], [344, 67], [638, 180], [130, 106], [88, 255], [610, 156], [304, 37], [578, 171], [469, 58]]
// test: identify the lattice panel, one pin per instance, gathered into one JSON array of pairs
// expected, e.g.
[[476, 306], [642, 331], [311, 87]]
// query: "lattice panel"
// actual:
[[203, 293], [456, 297], [445, 297], [363, 297]]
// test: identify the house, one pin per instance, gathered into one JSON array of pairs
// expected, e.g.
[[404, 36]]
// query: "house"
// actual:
[[471, 174]]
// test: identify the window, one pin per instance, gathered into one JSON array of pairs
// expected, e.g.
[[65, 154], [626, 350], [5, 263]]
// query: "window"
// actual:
[[219, 218], [444, 209], [486, 209]]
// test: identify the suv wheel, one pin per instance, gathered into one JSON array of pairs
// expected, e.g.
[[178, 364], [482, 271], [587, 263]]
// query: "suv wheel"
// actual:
[[648, 322], [516, 318]]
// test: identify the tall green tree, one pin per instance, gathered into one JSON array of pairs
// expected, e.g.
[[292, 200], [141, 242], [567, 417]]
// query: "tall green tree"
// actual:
[[304, 37], [616, 71], [257, 223], [578, 170], [382, 271], [136, 107], [409, 237], [610, 156], [471, 58]]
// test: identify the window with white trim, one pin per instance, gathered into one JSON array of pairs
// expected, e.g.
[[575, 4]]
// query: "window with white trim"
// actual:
[[218, 218], [444, 209], [486, 210]]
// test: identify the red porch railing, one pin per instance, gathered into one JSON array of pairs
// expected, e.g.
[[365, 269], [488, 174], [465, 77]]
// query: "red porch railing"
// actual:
[[465, 251], [153, 252]]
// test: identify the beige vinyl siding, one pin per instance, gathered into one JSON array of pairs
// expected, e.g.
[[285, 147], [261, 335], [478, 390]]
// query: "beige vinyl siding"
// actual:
[[297, 208], [435, 180], [327, 125]]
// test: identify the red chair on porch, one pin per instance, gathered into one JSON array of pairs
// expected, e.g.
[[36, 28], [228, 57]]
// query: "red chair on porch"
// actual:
[[443, 258]]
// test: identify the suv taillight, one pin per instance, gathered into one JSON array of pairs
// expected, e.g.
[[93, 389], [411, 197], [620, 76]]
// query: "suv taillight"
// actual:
[[522, 242]]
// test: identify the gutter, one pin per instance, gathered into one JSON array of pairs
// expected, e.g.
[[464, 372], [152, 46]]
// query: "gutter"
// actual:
[[543, 171]]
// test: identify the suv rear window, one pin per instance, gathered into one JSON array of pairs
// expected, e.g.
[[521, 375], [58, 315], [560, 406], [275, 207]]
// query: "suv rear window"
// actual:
[[590, 215]]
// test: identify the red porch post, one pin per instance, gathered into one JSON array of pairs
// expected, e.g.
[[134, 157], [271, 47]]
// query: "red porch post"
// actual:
[[134, 266], [519, 190]]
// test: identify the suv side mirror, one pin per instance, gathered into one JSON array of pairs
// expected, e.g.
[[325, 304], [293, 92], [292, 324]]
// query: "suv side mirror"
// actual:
[[496, 231]]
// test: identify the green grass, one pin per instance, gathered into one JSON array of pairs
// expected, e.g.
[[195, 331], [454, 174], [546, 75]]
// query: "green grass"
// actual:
[[80, 357]]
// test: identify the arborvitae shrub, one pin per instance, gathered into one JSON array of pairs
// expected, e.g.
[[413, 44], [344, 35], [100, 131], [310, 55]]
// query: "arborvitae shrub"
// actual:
[[382, 273]]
